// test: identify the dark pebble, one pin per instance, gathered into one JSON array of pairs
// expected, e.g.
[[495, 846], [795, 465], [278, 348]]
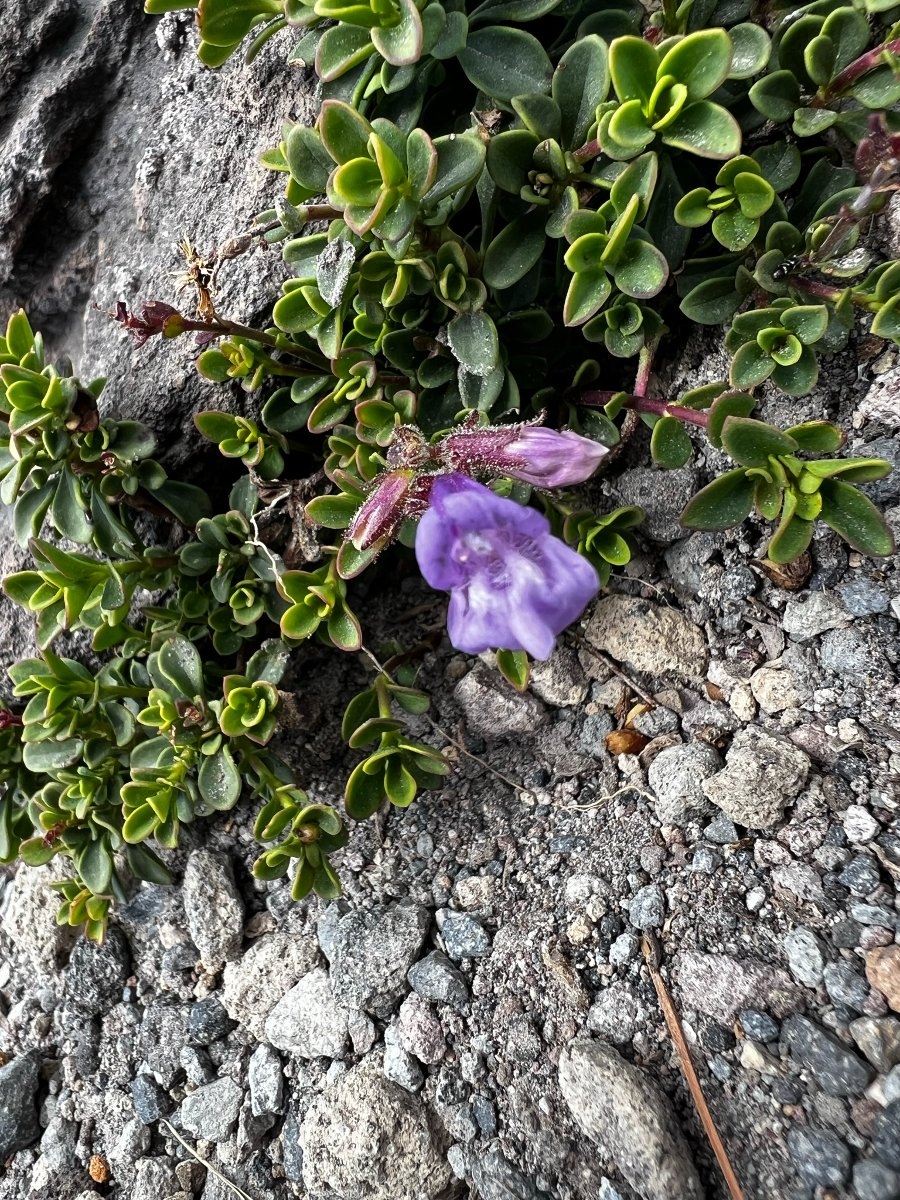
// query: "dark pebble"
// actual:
[[886, 1136], [759, 1025], [844, 986], [149, 1100], [861, 875], [717, 1037], [821, 1158], [845, 934], [837, 1070], [786, 1091], [209, 1022]]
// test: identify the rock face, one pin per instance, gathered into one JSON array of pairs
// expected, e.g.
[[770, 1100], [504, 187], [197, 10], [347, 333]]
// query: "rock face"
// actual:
[[620, 1108], [18, 1109], [367, 1137]]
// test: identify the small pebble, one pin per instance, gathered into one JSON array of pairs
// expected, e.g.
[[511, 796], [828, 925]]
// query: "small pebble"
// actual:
[[758, 1025], [821, 1158]]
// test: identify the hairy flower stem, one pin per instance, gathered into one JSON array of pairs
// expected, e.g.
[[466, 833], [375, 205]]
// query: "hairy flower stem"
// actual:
[[859, 67], [871, 198]]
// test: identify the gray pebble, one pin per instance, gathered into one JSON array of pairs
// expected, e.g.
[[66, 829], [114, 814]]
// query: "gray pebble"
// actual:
[[434, 977], [758, 1025], [863, 598], [624, 949], [845, 986], [18, 1110], [464, 937], [266, 1081], [873, 1181], [860, 875], [212, 1111], [647, 909], [198, 1066], [209, 1022], [805, 956], [722, 831], [821, 1158], [400, 1067], [886, 1135]]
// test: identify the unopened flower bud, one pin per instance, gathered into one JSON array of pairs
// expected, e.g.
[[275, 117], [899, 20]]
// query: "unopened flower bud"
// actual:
[[394, 496], [546, 458]]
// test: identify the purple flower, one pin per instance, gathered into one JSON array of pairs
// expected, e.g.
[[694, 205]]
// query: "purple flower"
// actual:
[[546, 458], [513, 585]]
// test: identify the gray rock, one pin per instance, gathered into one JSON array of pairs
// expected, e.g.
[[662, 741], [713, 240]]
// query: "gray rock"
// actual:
[[807, 618], [837, 1070], [95, 975], [401, 1068], [776, 689], [492, 1176], [845, 986], [758, 1025], [372, 953], [463, 936], [662, 495], [873, 1181], [623, 949], [292, 1151], [647, 637], [419, 1031], [154, 1178], [212, 1112], [647, 909], [213, 908], [151, 1102], [308, 1021], [886, 1136], [327, 926], [879, 1040], [863, 598], [29, 918], [52, 1173], [891, 1085], [164, 1030], [345, 1132], [435, 977], [616, 1014], [850, 652], [805, 956], [676, 778], [266, 1080], [721, 831], [720, 986], [821, 1158], [762, 775], [860, 875], [492, 709], [620, 1108], [859, 825], [560, 680], [197, 1064], [256, 982], [19, 1125]]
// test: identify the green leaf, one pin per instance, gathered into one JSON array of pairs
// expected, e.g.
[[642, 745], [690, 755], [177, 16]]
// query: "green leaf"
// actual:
[[460, 162], [178, 660], [399, 784], [816, 437], [307, 158], [344, 133], [473, 340], [333, 512], [68, 509], [808, 122], [856, 519], [515, 668], [641, 270], [506, 62], [580, 82], [751, 48], [514, 251], [140, 824], [144, 864], [47, 756], [364, 792], [188, 504], [632, 66], [340, 49], [30, 511], [344, 630], [790, 539], [776, 95], [701, 61], [751, 443], [219, 781], [725, 502], [670, 445], [400, 44], [360, 709], [496, 12], [94, 865], [713, 301], [706, 129]]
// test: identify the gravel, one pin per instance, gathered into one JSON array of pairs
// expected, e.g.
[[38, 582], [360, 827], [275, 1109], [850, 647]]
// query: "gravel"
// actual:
[[886, 1136], [805, 955], [308, 1021], [647, 910], [676, 778], [151, 1102], [837, 1070], [434, 977], [463, 936], [647, 637], [874, 1181]]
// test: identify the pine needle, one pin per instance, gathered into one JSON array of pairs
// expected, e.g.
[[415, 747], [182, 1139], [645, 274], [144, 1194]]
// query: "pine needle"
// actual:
[[205, 1163], [673, 1023]]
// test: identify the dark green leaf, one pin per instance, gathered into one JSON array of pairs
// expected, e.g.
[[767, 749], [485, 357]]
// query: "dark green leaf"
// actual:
[[725, 502]]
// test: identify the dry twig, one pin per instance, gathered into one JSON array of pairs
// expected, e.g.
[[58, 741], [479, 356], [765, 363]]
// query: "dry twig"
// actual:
[[673, 1024]]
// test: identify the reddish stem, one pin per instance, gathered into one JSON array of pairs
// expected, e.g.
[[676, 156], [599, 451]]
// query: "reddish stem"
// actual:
[[599, 398], [860, 66]]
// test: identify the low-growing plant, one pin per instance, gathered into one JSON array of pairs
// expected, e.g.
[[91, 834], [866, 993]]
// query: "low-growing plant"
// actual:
[[504, 214]]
